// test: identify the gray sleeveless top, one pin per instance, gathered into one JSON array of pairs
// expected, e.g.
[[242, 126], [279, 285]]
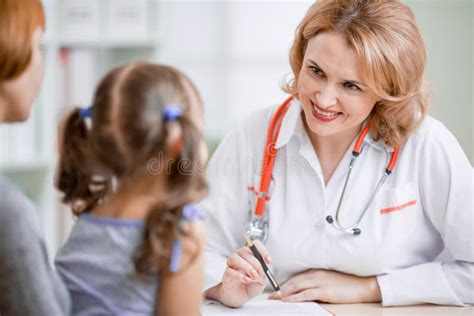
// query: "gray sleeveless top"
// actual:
[[97, 266]]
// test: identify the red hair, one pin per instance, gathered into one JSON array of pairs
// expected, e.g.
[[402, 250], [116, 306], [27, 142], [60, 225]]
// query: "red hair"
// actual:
[[18, 21]]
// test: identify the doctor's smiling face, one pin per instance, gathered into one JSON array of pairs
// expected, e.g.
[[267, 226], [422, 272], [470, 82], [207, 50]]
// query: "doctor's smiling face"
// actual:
[[335, 100]]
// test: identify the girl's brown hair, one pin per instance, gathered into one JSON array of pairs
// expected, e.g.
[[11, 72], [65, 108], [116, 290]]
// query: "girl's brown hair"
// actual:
[[127, 138], [389, 45], [18, 21]]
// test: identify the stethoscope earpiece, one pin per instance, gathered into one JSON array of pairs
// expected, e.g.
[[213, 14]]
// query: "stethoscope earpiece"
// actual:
[[355, 231], [329, 219]]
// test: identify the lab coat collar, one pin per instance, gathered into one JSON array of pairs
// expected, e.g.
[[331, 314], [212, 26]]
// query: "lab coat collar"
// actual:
[[289, 127], [292, 126], [379, 145]]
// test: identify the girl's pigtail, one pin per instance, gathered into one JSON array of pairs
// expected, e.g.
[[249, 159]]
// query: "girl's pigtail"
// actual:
[[77, 175], [162, 228], [185, 184]]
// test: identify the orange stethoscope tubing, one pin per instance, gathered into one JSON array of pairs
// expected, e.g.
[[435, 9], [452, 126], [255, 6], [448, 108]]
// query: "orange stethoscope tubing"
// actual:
[[269, 161], [270, 155]]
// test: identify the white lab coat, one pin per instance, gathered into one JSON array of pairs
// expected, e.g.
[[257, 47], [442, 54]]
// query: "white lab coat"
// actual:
[[423, 207]]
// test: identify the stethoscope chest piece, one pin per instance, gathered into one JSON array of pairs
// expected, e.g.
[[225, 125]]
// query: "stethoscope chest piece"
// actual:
[[257, 229]]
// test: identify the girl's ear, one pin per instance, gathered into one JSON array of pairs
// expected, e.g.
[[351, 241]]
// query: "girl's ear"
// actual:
[[174, 141], [203, 152]]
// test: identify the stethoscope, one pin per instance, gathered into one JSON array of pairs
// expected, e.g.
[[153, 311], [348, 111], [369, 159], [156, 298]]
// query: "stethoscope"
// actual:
[[258, 225]]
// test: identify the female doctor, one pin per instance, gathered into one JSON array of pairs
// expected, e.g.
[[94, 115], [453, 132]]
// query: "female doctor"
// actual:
[[350, 190]]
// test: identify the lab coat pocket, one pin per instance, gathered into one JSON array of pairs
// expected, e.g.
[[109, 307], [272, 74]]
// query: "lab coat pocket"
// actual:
[[400, 214]]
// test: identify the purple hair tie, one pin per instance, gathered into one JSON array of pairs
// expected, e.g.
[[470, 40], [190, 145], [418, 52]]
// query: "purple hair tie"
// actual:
[[172, 112], [191, 212], [176, 250], [85, 112]]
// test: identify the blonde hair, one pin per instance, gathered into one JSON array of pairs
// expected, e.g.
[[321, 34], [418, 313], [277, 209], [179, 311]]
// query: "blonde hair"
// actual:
[[389, 45]]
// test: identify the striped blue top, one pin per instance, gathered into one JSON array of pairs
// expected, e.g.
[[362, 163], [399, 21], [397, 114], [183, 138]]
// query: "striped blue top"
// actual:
[[96, 264]]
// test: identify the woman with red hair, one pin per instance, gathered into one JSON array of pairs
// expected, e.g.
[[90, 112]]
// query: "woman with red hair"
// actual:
[[28, 284]]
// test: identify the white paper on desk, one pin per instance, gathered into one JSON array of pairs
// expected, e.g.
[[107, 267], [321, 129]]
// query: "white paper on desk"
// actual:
[[261, 306]]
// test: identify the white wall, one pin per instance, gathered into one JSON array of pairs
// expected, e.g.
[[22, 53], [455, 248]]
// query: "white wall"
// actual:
[[448, 33], [235, 51]]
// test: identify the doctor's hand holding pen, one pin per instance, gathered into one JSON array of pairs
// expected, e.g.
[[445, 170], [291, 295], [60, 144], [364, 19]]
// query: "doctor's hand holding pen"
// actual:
[[244, 277]]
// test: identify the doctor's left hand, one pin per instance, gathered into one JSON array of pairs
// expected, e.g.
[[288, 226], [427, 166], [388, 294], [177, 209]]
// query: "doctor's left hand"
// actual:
[[329, 286]]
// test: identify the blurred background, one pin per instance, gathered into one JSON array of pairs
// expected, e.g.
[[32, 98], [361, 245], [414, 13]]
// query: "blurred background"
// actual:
[[235, 51]]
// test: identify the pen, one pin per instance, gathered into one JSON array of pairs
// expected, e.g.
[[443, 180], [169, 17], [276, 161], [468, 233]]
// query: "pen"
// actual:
[[267, 271]]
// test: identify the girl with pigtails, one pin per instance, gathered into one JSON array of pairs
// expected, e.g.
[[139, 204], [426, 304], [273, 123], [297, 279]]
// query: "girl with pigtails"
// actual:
[[130, 169]]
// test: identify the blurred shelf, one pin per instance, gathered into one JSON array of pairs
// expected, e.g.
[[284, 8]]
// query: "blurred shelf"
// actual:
[[27, 166], [150, 43]]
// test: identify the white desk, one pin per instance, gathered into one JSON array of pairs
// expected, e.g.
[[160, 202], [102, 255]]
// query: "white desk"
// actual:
[[340, 310], [378, 310]]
